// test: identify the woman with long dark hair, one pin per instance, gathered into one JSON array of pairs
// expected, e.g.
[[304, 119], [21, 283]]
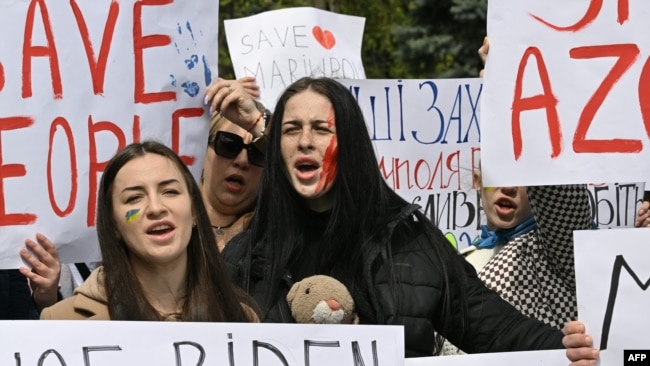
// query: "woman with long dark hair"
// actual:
[[324, 208], [160, 261]]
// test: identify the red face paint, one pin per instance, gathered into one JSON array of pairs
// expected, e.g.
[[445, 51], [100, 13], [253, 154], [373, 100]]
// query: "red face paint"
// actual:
[[330, 166]]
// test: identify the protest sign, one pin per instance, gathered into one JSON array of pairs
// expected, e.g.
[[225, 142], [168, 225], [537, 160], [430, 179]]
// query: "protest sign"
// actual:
[[98, 343], [615, 205], [567, 96], [550, 358], [612, 280], [279, 47], [426, 135], [79, 80]]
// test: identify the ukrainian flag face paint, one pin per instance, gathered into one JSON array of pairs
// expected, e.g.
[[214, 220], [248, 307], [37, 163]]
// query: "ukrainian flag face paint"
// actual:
[[152, 210], [132, 215], [489, 189]]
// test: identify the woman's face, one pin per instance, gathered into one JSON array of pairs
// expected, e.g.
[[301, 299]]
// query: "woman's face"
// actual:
[[309, 147], [230, 185], [153, 210], [505, 207]]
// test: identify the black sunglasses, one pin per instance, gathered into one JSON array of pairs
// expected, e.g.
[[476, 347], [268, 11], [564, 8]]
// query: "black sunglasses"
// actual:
[[229, 145]]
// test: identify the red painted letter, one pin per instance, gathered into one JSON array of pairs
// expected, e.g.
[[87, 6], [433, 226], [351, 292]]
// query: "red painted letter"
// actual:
[[136, 128], [623, 11], [139, 44], [30, 51], [627, 54], [60, 121], [590, 15], [2, 77], [176, 119], [546, 101], [95, 166], [644, 95], [12, 170], [97, 67]]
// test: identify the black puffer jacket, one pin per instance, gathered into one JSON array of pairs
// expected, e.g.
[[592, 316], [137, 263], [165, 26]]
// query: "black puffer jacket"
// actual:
[[493, 325]]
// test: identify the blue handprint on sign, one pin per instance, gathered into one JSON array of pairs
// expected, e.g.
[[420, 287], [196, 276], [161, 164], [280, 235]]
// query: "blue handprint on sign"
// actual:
[[190, 87]]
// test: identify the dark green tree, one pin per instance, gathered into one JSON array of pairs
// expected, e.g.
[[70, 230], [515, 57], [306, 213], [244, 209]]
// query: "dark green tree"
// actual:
[[442, 39]]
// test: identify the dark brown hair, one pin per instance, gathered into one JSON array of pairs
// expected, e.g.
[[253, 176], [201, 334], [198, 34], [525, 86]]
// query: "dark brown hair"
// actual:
[[210, 295]]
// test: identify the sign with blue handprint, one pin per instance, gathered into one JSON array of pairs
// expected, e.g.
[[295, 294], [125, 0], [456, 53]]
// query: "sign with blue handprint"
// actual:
[[80, 79], [199, 74]]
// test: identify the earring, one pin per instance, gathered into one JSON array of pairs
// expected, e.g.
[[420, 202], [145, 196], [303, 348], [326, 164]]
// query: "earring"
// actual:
[[193, 223]]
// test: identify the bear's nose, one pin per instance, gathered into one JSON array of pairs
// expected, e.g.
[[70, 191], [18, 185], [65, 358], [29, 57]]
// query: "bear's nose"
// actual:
[[333, 304]]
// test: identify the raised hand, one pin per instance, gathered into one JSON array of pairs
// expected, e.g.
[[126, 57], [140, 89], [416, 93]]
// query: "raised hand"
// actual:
[[45, 271]]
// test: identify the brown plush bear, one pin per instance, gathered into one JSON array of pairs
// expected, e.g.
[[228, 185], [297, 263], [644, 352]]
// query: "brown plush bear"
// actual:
[[321, 299]]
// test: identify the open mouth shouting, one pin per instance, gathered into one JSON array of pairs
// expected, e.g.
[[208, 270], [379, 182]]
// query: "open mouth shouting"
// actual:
[[235, 182], [306, 169], [160, 231], [505, 207]]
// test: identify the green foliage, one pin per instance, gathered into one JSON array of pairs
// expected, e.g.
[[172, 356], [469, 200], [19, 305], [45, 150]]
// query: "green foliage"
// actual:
[[402, 38], [443, 39]]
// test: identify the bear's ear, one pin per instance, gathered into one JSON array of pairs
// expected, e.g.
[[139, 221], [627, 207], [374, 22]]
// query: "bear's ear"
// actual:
[[293, 291]]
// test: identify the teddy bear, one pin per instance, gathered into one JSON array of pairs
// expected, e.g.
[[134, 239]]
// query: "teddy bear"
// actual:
[[321, 299]]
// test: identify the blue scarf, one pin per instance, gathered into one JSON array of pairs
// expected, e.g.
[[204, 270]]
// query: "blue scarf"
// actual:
[[490, 238]]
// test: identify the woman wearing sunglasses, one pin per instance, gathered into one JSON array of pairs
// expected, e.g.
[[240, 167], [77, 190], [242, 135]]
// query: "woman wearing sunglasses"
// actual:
[[232, 168]]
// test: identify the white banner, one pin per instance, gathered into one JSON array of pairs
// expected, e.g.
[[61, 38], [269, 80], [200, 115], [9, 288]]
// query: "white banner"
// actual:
[[426, 134], [549, 358], [567, 92], [110, 343], [615, 205], [427, 137], [612, 280], [80, 79], [279, 47]]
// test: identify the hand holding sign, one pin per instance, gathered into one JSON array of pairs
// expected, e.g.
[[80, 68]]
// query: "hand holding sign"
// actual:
[[45, 270], [579, 344], [232, 98]]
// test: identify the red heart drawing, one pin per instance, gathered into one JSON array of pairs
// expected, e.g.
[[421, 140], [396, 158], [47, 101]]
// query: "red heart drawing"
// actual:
[[325, 38]]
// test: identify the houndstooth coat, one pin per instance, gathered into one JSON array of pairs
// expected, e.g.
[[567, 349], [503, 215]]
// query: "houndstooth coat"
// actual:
[[535, 272]]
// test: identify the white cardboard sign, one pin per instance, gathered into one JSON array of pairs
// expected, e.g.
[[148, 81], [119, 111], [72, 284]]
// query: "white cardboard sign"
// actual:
[[80, 79], [104, 343], [426, 135], [612, 280], [567, 96], [279, 47]]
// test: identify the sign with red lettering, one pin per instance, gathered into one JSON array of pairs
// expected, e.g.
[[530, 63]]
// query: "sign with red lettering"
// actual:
[[567, 92], [427, 138], [79, 80], [279, 47]]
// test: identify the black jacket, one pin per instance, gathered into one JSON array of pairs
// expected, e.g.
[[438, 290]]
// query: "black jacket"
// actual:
[[493, 325], [15, 296]]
